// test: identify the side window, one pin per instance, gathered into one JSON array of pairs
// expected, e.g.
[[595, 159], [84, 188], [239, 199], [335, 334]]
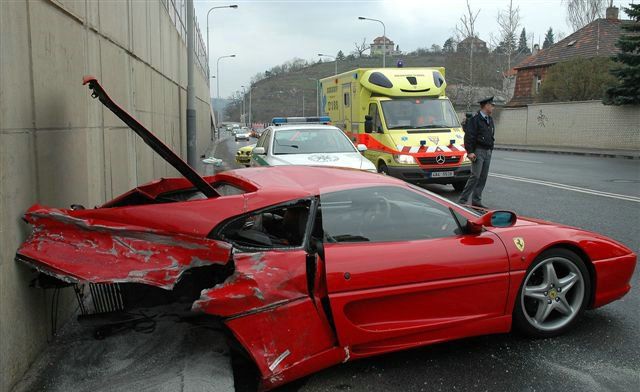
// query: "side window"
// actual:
[[267, 141], [381, 214], [276, 227], [375, 115]]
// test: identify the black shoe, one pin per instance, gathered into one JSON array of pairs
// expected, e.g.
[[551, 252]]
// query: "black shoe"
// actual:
[[480, 205]]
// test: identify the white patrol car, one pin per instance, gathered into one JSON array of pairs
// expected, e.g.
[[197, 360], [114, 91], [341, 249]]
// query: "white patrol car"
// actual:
[[308, 141]]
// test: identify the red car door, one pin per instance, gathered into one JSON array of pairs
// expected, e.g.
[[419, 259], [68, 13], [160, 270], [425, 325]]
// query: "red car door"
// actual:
[[398, 275]]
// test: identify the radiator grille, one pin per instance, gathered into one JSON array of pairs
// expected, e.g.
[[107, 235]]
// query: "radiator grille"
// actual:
[[106, 297]]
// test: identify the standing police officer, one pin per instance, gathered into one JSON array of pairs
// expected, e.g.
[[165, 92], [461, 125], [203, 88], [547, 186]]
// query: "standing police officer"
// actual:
[[478, 141]]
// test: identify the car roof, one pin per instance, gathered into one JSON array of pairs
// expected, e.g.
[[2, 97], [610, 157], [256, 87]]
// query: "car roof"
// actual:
[[311, 180]]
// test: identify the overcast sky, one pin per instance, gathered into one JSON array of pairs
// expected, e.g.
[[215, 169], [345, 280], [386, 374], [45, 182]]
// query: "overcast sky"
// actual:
[[264, 33]]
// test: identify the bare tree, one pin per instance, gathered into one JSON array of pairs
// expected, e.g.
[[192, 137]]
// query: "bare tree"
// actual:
[[465, 29], [508, 24], [360, 48], [582, 12]]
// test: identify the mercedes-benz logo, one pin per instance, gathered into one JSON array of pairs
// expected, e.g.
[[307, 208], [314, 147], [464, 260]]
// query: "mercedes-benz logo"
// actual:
[[440, 159]]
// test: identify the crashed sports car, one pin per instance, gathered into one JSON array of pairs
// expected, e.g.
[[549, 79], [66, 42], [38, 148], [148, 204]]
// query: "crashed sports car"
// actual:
[[308, 267]]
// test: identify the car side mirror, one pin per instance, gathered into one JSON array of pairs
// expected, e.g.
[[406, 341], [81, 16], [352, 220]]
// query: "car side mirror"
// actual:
[[258, 151], [368, 124], [499, 218], [362, 148]]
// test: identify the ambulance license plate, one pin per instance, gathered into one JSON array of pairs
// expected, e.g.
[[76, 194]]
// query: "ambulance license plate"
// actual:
[[442, 174]]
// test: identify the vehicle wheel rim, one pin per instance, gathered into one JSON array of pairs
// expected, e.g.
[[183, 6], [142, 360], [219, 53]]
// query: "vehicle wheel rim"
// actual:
[[552, 294]]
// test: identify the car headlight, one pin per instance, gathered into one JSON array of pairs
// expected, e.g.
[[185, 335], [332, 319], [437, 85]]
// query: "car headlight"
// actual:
[[404, 159]]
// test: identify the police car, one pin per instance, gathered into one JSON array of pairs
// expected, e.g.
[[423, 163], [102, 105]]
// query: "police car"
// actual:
[[308, 141]]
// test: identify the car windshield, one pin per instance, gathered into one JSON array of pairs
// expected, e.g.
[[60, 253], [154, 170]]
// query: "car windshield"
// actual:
[[419, 113], [311, 141]]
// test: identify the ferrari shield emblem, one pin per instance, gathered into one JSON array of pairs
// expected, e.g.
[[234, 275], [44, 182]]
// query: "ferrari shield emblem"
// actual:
[[519, 243]]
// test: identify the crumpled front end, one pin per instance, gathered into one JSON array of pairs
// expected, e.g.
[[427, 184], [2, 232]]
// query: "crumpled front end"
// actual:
[[78, 249]]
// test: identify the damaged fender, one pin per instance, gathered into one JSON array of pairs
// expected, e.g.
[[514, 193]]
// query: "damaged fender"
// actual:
[[272, 305]]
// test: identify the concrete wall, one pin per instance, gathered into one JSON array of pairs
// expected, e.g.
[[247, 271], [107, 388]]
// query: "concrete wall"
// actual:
[[570, 124], [59, 146]]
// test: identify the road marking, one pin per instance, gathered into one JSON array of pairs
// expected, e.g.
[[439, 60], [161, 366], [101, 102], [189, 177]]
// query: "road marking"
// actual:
[[520, 160], [568, 187]]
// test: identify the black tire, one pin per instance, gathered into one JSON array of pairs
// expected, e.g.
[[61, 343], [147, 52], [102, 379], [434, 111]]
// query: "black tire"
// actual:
[[459, 186], [382, 168], [525, 323]]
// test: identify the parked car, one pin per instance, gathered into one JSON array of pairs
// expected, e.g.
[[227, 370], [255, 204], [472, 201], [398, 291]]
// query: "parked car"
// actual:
[[308, 267], [308, 141]]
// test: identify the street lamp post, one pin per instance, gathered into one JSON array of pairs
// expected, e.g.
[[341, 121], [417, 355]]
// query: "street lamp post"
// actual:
[[244, 108], [218, 72], [331, 57], [384, 38], [250, 118], [208, 43], [317, 95]]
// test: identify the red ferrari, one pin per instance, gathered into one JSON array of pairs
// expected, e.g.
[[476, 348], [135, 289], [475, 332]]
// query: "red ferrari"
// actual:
[[308, 267]]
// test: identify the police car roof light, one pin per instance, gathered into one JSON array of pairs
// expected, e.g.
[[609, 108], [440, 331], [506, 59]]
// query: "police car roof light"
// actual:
[[301, 120]]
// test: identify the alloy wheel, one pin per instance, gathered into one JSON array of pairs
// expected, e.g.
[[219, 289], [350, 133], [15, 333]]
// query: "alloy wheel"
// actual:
[[552, 294]]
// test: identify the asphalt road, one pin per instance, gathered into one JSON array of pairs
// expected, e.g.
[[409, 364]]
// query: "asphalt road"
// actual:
[[602, 353]]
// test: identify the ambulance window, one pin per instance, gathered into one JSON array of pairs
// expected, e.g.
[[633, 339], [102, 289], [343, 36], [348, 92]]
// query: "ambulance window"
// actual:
[[346, 99], [375, 115]]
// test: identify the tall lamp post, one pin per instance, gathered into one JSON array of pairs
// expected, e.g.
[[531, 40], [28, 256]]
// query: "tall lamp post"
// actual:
[[218, 72], [384, 38], [208, 43], [244, 108], [331, 57], [317, 95], [218, 78]]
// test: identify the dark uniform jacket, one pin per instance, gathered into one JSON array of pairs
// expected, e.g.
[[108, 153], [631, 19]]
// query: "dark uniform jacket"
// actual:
[[479, 132]]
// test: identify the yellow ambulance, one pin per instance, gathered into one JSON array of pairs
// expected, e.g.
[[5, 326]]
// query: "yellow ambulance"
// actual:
[[404, 118]]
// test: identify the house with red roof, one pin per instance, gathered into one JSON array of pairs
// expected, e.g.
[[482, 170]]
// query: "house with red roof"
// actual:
[[597, 39]]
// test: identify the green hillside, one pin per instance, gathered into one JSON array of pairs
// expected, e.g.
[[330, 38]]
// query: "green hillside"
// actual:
[[281, 95]]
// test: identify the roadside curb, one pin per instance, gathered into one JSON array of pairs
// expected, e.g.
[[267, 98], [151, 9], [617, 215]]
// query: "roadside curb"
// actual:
[[626, 154]]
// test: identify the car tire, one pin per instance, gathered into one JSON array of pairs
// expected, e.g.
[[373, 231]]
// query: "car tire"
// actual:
[[459, 186], [382, 168], [553, 294]]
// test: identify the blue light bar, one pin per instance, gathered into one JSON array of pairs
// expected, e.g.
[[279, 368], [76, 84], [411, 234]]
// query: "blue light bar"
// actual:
[[301, 120]]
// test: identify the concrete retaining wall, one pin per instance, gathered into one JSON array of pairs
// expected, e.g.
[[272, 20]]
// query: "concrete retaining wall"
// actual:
[[589, 125], [59, 146]]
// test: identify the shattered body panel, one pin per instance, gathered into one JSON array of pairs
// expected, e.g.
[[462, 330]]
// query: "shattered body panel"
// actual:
[[298, 308], [86, 250]]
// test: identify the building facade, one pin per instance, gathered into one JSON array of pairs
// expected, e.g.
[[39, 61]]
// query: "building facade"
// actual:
[[597, 39], [383, 45]]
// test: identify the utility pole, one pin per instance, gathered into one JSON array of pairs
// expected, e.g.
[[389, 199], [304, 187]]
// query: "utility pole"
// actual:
[[250, 118], [191, 91]]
